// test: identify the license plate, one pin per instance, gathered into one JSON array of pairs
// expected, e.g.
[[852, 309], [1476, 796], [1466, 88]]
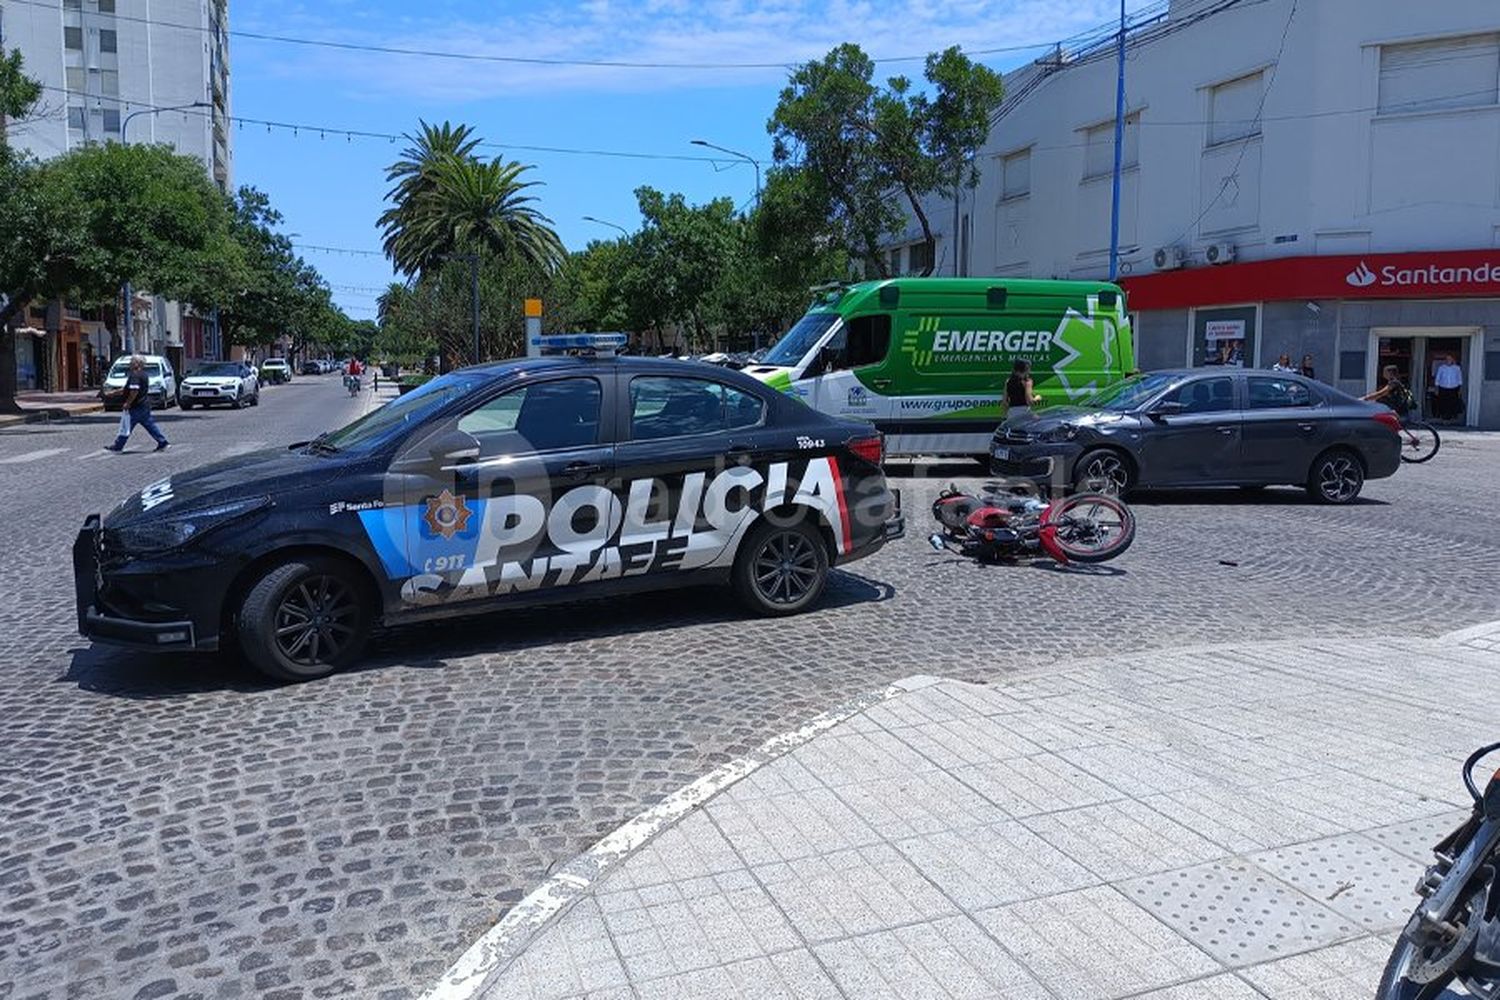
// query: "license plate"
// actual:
[[205, 392], [1001, 453]]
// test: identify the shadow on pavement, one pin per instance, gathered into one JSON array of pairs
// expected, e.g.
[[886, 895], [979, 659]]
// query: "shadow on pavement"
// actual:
[[140, 675], [1271, 496]]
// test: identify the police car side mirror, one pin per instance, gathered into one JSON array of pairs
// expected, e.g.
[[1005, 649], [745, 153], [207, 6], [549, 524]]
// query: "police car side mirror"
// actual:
[[453, 446], [1166, 408]]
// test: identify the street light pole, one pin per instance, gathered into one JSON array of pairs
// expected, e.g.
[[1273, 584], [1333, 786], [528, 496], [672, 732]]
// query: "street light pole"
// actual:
[[744, 156], [127, 320], [612, 225], [1114, 217]]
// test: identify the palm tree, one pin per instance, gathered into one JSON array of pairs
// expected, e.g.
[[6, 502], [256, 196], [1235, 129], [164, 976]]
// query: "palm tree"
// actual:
[[392, 302], [415, 173], [477, 207]]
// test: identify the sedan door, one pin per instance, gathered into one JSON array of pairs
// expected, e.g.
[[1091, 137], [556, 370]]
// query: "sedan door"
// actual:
[[514, 494], [1285, 428], [1194, 439], [686, 463]]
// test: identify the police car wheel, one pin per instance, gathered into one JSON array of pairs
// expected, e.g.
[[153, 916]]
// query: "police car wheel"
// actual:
[[781, 568], [304, 619]]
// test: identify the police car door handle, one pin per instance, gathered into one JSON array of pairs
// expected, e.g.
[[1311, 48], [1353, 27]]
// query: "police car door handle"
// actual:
[[582, 468]]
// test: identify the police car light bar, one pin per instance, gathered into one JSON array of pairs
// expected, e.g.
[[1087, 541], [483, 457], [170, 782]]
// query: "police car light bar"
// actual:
[[598, 343]]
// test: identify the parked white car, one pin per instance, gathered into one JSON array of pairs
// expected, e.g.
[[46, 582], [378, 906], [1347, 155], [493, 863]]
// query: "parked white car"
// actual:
[[227, 382], [163, 391]]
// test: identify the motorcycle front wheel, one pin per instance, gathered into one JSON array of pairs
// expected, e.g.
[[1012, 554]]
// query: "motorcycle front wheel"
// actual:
[[1394, 984], [1092, 527]]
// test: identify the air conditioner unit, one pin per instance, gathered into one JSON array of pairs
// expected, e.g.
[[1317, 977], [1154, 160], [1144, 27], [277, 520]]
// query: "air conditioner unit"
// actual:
[[1219, 253], [1168, 258]]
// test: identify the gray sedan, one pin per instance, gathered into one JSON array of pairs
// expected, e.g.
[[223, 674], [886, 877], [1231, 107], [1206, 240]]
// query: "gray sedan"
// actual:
[[1205, 427]]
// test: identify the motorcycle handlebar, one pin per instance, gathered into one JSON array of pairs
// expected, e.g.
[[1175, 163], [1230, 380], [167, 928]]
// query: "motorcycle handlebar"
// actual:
[[1475, 758]]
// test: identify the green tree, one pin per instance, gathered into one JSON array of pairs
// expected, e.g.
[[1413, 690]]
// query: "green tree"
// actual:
[[19, 93], [860, 142], [415, 179]]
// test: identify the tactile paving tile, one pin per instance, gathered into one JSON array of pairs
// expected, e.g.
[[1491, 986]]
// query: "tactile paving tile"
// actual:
[[679, 927], [1348, 971], [915, 805], [990, 865], [951, 959], [1238, 912], [791, 975], [1351, 875], [574, 957], [1117, 840], [852, 892], [1416, 838], [1094, 943]]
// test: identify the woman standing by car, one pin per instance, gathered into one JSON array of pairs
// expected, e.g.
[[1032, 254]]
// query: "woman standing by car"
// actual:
[[1020, 396]]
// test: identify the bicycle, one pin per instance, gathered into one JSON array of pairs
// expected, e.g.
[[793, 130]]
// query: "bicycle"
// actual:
[[1419, 439]]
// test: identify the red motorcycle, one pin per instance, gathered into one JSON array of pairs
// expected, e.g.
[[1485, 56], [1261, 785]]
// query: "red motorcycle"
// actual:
[[999, 527]]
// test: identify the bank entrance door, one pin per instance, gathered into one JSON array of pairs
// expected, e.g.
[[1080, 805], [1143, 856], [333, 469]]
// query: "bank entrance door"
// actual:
[[1418, 353]]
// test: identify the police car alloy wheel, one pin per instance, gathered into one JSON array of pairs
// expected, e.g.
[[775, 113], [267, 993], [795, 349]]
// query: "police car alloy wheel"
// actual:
[[782, 568], [305, 619]]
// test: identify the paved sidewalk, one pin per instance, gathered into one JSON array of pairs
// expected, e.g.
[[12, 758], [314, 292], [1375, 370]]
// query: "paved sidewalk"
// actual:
[[52, 406], [1229, 823]]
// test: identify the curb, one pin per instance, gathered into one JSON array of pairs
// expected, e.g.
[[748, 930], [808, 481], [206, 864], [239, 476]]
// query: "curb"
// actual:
[[50, 414], [502, 943], [1486, 630]]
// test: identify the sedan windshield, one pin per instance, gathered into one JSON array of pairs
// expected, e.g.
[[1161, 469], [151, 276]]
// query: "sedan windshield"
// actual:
[[401, 414], [122, 368], [217, 371], [796, 342], [1129, 394]]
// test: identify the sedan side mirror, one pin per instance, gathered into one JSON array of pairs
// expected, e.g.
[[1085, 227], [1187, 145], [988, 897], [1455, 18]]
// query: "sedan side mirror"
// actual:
[[1165, 408], [453, 446]]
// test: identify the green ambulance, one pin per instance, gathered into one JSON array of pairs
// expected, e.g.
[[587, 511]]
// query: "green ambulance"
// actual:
[[925, 359]]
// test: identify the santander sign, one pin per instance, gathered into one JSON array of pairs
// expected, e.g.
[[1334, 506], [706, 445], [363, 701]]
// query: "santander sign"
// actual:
[[1430, 274]]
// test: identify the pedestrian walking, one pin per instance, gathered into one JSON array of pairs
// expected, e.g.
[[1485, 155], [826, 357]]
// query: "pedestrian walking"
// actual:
[[1450, 380], [137, 407], [1308, 371], [1283, 364]]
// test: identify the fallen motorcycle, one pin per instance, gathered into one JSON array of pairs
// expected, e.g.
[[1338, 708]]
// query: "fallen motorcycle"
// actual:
[[998, 526], [1454, 935]]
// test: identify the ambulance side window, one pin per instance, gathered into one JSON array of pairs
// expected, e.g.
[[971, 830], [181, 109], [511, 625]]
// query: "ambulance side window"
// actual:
[[863, 340]]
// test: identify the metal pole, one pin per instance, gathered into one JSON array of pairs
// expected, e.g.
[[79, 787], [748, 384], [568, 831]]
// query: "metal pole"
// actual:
[[1114, 215], [734, 152], [958, 172], [474, 305], [126, 321]]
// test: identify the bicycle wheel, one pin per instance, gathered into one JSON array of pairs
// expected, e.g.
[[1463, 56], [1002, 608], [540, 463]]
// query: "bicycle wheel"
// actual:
[[1419, 441]]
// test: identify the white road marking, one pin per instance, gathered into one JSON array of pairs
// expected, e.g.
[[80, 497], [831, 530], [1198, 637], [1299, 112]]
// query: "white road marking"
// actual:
[[32, 456]]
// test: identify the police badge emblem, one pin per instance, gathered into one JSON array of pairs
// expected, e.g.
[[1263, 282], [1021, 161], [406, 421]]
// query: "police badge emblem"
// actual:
[[446, 514]]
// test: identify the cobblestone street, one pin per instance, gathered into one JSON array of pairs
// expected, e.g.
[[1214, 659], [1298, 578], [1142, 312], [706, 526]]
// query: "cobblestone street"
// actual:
[[176, 827]]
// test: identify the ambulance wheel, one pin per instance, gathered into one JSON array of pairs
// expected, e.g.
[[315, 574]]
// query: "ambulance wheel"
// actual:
[[781, 568], [305, 618]]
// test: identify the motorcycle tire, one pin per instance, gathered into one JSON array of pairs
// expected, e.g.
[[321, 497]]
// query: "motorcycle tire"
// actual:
[[1393, 982], [1082, 555]]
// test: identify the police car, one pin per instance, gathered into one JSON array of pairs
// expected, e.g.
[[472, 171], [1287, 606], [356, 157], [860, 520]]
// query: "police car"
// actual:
[[539, 479]]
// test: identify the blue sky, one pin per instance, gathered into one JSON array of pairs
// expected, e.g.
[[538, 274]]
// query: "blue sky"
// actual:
[[330, 188]]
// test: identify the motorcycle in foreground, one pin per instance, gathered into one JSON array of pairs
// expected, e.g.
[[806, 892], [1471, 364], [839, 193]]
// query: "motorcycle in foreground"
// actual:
[[1454, 935], [996, 526]]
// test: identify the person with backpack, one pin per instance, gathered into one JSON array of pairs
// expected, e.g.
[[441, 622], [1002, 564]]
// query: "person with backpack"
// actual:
[[1394, 393]]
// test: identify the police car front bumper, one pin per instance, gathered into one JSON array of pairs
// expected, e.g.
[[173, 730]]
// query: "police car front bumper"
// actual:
[[111, 614]]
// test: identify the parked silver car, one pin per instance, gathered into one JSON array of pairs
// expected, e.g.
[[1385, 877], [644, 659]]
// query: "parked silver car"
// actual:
[[225, 382], [163, 382]]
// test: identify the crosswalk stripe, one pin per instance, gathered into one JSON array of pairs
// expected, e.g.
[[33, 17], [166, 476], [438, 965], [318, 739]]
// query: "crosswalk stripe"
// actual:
[[32, 456]]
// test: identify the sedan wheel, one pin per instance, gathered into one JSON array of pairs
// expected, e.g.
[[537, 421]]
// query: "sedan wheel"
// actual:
[[1102, 471], [305, 619], [782, 568], [1337, 478]]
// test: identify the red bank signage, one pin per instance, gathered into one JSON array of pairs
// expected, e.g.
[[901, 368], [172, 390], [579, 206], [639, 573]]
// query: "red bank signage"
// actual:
[[1440, 274]]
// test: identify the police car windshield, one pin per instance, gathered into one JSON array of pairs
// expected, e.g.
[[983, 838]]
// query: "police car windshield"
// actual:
[[400, 414], [796, 342], [1129, 394]]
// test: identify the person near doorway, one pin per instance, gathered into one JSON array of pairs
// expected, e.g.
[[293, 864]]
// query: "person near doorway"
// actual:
[[1283, 364], [137, 406], [1307, 369], [1020, 396], [1393, 393], [1450, 381]]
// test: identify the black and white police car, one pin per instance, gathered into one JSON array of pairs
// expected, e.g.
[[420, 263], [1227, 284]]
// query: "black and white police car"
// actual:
[[538, 479]]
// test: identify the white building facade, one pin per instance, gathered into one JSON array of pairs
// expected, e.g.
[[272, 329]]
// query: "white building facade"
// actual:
[[108, 69], [1300, 177]]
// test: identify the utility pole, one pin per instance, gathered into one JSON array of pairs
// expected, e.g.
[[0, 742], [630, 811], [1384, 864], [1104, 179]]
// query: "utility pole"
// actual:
[[1114, 215]]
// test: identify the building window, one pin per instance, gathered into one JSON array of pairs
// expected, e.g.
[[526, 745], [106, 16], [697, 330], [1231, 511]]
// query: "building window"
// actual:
[[1099, 147], [107, 41], [1436, 76], [921, 257], [109, 82], [1234, 109], [72, 4], [1015, 175], [894, 265], [75, 118], [73, 39], [106, 6], [74, 76], [112, 120]]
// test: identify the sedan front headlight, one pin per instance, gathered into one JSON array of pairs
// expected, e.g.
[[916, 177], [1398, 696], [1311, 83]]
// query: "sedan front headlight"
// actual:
[[177, 530]]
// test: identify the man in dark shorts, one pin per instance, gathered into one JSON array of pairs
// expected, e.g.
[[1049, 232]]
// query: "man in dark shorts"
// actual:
[[138, 405]]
